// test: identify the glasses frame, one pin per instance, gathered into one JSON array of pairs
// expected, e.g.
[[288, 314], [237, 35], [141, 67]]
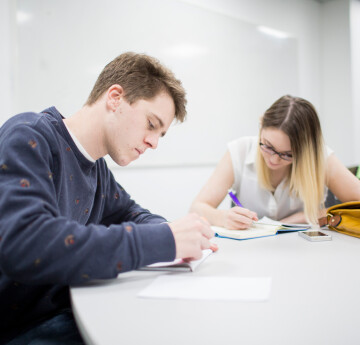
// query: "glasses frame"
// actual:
[[268, 149]]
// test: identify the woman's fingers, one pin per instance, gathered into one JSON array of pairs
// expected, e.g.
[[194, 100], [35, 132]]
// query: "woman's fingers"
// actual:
[[240, 218]]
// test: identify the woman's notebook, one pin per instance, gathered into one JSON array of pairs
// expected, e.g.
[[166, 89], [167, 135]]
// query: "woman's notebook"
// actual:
[[263, 228]]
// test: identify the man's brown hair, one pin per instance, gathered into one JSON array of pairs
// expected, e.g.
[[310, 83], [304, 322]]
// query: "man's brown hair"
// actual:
[[142, 77]]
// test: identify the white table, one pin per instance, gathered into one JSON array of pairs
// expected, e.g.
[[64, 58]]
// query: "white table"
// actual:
[[315, 299]]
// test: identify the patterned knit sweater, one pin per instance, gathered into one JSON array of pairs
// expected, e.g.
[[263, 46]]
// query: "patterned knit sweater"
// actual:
[[63, 221]]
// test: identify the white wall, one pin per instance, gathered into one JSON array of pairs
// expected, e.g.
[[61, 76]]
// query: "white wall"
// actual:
[[322, 32], [165, 191], [297, 17], [230, 68], [355, 72], [6, 58], [301, 18], [336, 99]]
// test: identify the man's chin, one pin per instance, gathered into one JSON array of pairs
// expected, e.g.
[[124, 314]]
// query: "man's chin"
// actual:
[[125, 162]]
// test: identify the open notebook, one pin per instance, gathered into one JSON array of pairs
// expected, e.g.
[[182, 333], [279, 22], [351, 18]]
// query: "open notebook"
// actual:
[[177, 264], [263, 228]]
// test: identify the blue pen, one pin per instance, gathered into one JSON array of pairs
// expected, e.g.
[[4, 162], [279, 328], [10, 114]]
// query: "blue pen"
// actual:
[[234, 198]]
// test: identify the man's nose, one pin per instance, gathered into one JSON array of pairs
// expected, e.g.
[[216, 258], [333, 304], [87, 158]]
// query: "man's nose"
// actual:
[[152, 141]]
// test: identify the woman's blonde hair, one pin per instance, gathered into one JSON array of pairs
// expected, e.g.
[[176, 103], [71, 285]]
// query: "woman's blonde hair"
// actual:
[[298, 119]]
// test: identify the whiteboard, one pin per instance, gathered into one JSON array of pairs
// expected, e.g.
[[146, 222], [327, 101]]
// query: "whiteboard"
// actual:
[[231, 71]]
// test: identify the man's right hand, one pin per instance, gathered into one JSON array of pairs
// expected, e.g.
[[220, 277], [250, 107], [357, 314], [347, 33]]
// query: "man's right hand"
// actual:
[[192, 234]]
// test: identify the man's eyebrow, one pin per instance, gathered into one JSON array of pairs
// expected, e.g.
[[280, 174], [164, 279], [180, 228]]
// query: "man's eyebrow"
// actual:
[[158, 118]]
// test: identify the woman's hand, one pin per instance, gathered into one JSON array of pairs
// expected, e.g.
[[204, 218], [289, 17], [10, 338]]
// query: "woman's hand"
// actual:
[[238, 218]]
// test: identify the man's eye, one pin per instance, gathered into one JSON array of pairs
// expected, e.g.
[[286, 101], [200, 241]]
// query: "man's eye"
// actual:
[[151, 126]]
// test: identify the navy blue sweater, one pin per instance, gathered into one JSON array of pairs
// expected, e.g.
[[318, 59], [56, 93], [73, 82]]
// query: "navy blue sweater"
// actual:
[[63, 221]]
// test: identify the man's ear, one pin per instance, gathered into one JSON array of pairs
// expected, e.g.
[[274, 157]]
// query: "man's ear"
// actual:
[[113, 96]]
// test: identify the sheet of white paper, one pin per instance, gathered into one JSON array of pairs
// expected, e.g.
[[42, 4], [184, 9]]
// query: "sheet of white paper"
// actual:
[[254, 289]]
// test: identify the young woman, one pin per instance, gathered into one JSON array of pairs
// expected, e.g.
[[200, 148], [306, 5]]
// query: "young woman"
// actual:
[[282, 174]]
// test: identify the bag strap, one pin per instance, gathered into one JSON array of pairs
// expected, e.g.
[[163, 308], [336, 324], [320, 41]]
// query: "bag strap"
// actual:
[[323, 221], [330, 220]]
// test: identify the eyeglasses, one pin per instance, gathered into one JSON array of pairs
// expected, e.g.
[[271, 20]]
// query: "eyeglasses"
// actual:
[[285, 156]]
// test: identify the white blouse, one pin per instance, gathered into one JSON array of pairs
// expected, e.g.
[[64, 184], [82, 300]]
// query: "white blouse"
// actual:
[[251, 195]]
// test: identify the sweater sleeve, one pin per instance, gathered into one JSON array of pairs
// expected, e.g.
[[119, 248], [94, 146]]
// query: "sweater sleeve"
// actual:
[[40, 246]]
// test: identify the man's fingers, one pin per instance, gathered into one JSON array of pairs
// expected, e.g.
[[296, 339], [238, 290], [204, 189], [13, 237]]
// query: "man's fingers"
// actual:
[[214, 247], [205, 229], [205, 220], [191, 234]]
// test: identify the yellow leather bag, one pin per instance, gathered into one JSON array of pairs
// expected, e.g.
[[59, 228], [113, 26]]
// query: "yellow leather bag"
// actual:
[[344, 218]]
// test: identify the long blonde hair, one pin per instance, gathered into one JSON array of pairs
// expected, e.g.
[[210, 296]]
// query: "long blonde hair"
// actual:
[[298, 119]]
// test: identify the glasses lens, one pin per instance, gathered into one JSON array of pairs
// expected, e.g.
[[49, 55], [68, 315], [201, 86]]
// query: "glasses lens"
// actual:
[[285, 157], [271, 151], [267, 149]]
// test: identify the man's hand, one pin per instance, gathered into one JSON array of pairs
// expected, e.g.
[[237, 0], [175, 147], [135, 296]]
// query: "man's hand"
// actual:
[[192, 234]]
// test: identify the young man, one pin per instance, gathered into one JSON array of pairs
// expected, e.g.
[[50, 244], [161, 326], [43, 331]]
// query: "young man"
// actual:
[[64, 218]]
